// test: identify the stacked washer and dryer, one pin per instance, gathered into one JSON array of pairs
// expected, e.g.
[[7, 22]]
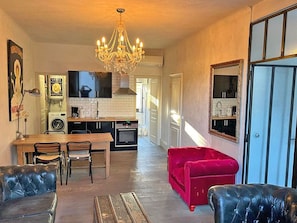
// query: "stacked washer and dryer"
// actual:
[[57, 120]]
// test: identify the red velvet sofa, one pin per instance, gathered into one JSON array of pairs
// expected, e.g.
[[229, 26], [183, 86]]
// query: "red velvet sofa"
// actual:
[[193, 170]]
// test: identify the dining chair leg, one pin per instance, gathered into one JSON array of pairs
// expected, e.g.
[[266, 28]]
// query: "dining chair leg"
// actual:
[[61, 172], [67, 172], [90, 172], [69, 168]]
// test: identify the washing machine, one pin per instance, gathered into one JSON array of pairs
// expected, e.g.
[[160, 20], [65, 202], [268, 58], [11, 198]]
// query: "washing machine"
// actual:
[[57, 121]]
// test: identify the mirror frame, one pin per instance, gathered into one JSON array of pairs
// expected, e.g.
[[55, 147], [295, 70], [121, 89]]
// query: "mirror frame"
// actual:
[[226, 114]]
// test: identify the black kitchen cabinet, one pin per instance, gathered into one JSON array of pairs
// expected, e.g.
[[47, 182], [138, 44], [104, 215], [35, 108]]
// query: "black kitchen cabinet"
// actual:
[[225, 86], [226, 126], [76, 126], [101, 127]]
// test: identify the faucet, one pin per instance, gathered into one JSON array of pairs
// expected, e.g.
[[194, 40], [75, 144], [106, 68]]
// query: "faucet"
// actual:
[[97, 113], [219, 108]]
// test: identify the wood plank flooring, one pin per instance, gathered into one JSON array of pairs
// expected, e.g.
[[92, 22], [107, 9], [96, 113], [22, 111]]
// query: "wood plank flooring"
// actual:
[[144, 172]]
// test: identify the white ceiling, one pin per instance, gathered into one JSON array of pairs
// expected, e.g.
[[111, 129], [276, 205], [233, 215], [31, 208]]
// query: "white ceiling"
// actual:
[[158, 23]]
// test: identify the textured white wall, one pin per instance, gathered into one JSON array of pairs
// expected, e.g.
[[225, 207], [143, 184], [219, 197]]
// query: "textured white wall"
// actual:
[[267, 7], [9, 30], [223, 41]]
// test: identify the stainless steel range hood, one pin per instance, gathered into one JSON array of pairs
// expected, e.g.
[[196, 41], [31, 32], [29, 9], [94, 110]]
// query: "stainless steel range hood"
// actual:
[[124, 86]]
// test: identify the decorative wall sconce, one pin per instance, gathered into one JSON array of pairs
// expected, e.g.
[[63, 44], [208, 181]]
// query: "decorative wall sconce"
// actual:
[[34, 92]]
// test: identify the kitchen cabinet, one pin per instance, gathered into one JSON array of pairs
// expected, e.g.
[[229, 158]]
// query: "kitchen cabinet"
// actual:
[[225, 86], [76, 126], [226, 126], [102, 126]]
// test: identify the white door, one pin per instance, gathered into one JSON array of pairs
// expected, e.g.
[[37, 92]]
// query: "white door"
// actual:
[[175, 110], [43, 104], [154, 104]]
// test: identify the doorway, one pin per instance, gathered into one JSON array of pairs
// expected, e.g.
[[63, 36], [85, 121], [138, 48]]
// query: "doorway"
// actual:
[[148, 108], [175, 110], [270, 147]]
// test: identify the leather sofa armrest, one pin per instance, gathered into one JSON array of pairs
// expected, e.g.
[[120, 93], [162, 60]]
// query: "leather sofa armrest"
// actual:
[[291, 205], [252, 202], [1, 186], [211, 167], [27, 180]]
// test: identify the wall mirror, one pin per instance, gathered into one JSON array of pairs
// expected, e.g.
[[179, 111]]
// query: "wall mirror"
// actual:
[[224, 100]]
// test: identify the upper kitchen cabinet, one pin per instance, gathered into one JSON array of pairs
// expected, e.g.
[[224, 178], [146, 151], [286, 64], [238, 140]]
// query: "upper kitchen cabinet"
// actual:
[[225, 86], [85, 84]]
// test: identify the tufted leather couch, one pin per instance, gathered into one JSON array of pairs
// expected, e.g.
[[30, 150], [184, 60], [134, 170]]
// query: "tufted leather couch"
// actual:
[[253, 203], [193, 170], [28, 193]]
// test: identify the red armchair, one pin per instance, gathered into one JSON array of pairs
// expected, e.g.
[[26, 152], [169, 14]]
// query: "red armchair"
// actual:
[[193, 170]]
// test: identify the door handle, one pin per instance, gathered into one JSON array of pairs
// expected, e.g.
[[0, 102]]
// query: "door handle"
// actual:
[[257, 135]]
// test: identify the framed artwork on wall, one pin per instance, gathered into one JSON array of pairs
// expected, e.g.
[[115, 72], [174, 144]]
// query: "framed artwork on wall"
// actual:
[[15, 78]]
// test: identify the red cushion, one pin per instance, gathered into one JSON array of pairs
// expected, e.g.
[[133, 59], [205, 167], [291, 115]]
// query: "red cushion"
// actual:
[[211, 167]]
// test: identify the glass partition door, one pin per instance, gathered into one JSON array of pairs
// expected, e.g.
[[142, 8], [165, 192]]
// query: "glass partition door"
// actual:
[[271, 127]]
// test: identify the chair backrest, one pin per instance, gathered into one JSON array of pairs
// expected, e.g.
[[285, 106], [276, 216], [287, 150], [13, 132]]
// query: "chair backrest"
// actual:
[[54, 132], [79, 146], [86, 131], [47, 147]]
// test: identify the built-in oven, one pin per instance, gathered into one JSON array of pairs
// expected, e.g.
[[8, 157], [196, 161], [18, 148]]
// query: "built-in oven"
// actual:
[[126, 135]]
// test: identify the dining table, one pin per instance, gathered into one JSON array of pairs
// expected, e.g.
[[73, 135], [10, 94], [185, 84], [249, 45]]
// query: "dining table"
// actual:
[[99, 141]]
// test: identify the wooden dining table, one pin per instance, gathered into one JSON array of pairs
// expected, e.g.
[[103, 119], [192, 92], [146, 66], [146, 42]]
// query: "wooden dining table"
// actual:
[[99, 141]]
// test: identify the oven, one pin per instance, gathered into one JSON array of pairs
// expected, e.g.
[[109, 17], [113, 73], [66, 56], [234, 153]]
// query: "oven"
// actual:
[[126, 135]]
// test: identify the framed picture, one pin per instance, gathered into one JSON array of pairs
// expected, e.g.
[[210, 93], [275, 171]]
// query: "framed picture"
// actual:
[[15, 78]]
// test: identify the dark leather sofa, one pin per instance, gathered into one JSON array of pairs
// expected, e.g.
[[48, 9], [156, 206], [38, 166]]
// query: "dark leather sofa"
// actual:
[[28, 193], [253, 203]]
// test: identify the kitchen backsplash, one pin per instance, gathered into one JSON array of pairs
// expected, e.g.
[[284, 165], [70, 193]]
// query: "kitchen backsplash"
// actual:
[[117, 106], [220, 106]]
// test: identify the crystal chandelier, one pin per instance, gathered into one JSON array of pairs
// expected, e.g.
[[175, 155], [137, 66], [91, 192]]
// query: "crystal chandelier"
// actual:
[[118, 54]]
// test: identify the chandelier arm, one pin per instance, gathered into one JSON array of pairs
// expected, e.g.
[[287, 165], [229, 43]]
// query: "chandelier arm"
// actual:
[[128, 44], [111, 43]]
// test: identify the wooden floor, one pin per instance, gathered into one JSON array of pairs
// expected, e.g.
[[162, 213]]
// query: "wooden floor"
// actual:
[[144, 172]]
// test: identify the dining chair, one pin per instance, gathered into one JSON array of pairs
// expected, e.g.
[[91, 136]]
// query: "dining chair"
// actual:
[[94, 150], [58, 132], [49, 152], [79, 151]]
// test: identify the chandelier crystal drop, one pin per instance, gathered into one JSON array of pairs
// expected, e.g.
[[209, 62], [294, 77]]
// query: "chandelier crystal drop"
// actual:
[[118, 54]]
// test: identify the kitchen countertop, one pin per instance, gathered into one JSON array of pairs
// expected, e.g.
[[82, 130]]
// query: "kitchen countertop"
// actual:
[[223, 117], [101, 119]]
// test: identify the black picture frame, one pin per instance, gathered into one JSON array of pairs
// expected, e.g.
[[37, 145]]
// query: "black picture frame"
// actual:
[[15, 78]]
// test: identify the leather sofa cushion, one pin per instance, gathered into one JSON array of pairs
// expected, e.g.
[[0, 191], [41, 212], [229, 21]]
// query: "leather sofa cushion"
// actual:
[[18, 181], [16, 208]]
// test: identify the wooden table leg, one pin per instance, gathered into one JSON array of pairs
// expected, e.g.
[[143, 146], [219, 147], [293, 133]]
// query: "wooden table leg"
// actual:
[[107, 160], [20, 156]]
